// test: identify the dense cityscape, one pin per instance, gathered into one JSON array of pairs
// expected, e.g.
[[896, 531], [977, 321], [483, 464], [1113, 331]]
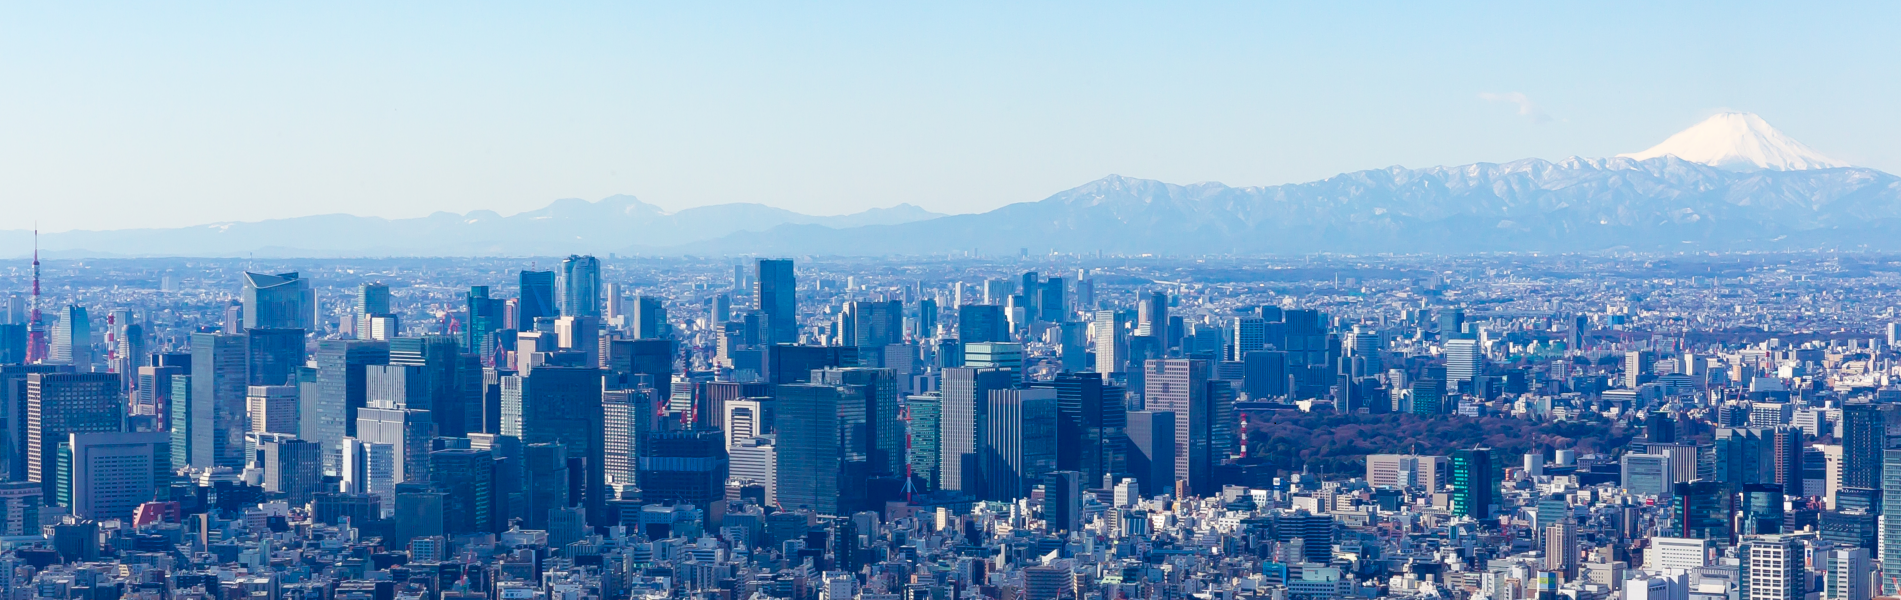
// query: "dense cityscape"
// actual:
[[1652, 426]]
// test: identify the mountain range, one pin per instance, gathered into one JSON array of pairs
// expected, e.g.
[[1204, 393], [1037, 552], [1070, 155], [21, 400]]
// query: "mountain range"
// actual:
[[1729, 183]]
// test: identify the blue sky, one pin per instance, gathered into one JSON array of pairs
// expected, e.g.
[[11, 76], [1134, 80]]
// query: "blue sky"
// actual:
[[182, 113]]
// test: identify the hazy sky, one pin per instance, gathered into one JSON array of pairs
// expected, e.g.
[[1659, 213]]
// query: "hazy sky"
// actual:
[[184, 113]]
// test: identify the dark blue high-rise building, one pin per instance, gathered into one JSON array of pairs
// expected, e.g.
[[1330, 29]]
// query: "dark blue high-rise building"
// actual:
[[777, 296], [978, 323], [537, 299]]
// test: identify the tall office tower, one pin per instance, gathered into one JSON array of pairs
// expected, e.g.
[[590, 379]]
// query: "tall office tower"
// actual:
[[484, 317], [650, 318], [966, 403], [626, 421], [1850, 574], [562, 405], [1474, 490], [1062, 500], [1152, 314], [445, 375], [1574, 335], [1451, 322], [72, 339], [331, 415], [1463, 362], [548, 483], [776, 297], [1639, 365], [1182, 386], [812, 447], [468, 477], [794, 364], [128, 354], [996, 290], [581, 286], [1052, 303], [220, 376], [1151, 450], [290, 466], [405, 431], [884, 432], [373, 299], [1111, 342], [109, 474], [1864, 437], [272, 356], [1073, 346], [281, 301], [1246, 334], [924, 431], [272, 408], [1090, 426], [684, 466], [59, 404], [13, 344], [653, 358], [1646, 474], [868, 324], [748, 417], [754, 461], [1007, 356], [1889, 546], [178, 421], [1775, 568], [1760, 455], [537, 299], [1429, 397], [1264, 374], [154, 388], [927, 313], [1702, 510], [1019, 441], [1762, 509], [1561, 548], [978, 323], [1660, 427], [719, 308]]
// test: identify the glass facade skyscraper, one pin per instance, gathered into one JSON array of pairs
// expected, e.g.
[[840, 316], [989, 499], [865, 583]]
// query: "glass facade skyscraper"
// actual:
[[580, 286], [777, 298]]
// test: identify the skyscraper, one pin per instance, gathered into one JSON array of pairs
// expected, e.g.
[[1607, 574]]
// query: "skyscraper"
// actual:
[[485, 315], [562, 405], [281, 301], [468, 478], [1151, 453], [537, 299], [111, 473], [272, 356], [1463, 362], [72, 338], [883, 436], [1090, 427], [776, 293], [966, 402], [60, 404], [926, 438], [1019, 441], [1864, 437], [340, 386], [811, 447], [650, 318], [977, 323], [1111, 342], [1152, 315], [872, 324], [684, 466], [580, 286], [1889, 551], [220, 376], [1203, 410], [1473, 488]]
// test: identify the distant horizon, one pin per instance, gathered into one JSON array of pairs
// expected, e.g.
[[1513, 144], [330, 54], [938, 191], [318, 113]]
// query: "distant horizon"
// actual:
[[169, 116]]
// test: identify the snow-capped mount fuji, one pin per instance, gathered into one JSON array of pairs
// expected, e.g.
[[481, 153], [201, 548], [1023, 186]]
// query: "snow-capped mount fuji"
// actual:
[[1739, 141]]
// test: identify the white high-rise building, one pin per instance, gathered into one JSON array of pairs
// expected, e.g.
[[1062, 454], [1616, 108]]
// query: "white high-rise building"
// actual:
[[1772, 568], [1463, 361]]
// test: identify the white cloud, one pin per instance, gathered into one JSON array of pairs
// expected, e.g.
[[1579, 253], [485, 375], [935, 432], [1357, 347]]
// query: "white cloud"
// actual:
[[1526, 108]]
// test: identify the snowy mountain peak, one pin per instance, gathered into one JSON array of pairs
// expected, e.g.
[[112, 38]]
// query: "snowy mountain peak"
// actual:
[[1739, 142]]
